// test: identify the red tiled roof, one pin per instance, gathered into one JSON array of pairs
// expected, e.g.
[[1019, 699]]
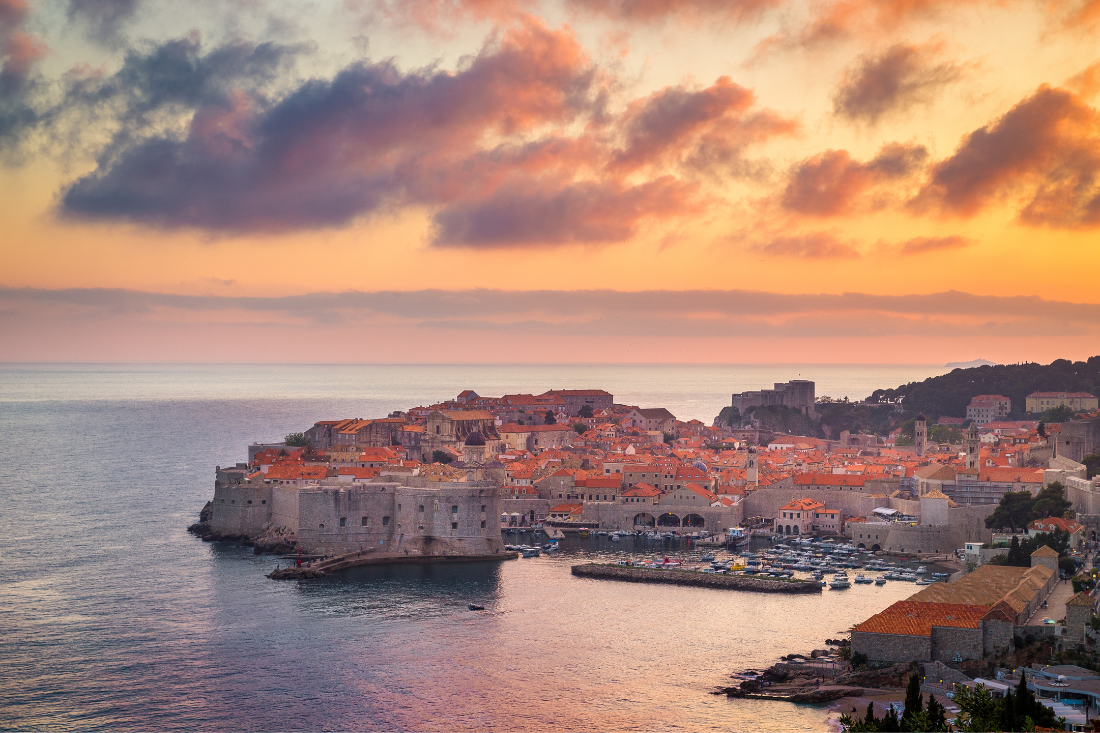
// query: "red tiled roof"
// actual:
[[916, 618]]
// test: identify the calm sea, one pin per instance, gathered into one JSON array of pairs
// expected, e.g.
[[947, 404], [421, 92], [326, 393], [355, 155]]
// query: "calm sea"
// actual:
[[113, 617]]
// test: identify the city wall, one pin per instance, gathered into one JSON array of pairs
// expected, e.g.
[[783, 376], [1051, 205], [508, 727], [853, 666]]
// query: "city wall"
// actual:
[[447, 519]]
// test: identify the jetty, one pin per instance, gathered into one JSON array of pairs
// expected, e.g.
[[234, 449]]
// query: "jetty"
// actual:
[[689, 577], [323, 567]]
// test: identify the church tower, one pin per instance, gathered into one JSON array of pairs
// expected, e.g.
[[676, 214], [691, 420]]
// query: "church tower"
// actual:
[[920, 433], [973, 449], [752, 474]]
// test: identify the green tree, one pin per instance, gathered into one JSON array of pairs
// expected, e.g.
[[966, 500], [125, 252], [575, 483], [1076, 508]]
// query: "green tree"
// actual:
[[298, 440], [979, 711], [1042, 429], [1050, 502], [580, 427], [914, 703], [441, 457], [585, 411], [937, 715], [1092, 464], [1061, 413], [1013, 511], [549, 418]]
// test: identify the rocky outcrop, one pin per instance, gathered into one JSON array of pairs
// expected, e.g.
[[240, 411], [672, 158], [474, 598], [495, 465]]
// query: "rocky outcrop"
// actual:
[[274, 540], [702, 580], [296, 573], [887, 677]]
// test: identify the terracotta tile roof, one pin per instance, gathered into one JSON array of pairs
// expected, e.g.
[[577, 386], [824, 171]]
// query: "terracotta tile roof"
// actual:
[[1081, 599], [1044, 551], [913, 618], [802, 505], [1052, 523]]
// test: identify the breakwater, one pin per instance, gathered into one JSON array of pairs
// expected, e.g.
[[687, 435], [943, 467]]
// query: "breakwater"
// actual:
[[700, 580]]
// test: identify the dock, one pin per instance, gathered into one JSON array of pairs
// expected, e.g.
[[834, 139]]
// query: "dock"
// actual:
[[688, 577], [323, 567]]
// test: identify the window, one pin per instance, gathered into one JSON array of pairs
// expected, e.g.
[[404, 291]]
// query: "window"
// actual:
[[483, 507], [454, 509], [249, 501], [483, 527], [320, 526], [365, 522], [421, 509], [385, 521], [264, 501], [454, 525], [343, 521]]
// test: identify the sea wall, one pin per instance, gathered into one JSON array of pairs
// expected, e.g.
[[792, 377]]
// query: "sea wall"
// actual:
[[701, 580], [241, 509]]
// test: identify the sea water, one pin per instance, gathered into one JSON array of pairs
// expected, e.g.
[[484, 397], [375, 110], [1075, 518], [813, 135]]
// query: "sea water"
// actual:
[[113, 617]]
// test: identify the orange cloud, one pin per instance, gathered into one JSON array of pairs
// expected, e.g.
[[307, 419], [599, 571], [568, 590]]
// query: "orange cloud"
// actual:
[[810, 246], [832, 184], [1043, 154], [903, 76]]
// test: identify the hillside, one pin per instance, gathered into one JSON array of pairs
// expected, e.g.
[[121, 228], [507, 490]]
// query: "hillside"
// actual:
[[948, 395]]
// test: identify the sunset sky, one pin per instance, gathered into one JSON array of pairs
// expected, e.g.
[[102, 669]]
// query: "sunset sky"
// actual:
[[881, 181]]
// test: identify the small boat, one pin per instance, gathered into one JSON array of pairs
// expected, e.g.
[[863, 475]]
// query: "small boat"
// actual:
[[530, 552], [922, 581], [839, 582], [880, 580], [922, 570], [475, 607], [863, 579], [615, 538]]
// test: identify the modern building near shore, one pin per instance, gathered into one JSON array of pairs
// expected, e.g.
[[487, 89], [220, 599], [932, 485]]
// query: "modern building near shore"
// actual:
[[965, 620], [798, 394]]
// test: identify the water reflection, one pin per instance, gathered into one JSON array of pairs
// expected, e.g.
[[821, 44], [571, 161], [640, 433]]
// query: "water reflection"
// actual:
[[404, 591]]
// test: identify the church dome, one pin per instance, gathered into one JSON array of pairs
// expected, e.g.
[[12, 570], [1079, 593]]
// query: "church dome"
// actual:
[[922, 418], [475, 438]]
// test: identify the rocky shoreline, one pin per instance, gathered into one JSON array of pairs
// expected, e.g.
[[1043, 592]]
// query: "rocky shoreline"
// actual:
[[692, 578], [273, 542], [791, 683]]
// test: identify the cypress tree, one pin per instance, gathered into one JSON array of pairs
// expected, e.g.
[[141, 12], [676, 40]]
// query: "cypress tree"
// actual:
[[914, 703], [871, 720]]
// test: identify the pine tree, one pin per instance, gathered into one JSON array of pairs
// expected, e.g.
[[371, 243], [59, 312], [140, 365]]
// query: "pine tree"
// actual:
[[937, 714]]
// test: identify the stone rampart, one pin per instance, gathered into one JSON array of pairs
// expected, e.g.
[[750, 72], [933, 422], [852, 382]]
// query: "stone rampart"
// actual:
[[921, 539], [702, 580], [241, 509], [892, 647], [444, 519]]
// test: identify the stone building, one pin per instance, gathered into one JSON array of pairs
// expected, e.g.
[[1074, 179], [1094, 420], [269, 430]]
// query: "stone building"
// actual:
[[988, 408], [952, 622], [798, 394], [575, 399]]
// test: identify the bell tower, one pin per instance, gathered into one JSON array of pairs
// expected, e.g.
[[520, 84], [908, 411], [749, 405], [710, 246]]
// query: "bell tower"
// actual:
[[920, 433], [973, 449], [752, 473]]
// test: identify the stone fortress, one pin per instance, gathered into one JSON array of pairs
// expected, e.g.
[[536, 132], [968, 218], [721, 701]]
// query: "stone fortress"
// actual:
[[412, 518], [797, 394]]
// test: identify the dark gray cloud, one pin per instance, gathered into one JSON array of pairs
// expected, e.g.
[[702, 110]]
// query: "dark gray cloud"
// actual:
[[515, 147], [902, 77], [103, 20]]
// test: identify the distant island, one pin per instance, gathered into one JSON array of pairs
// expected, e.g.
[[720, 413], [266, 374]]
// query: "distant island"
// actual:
[[970, 364]]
